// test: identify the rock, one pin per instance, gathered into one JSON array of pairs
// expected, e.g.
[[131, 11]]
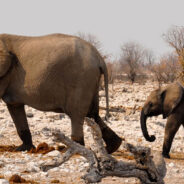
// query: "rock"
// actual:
[[3, 181], [29, 114], [62, 116], [177, 170], [7, 174], [86, 164], [45, 129], [1, 164], [54, 153], [124, 90], [32, 167], [171, 164], [102, 94]]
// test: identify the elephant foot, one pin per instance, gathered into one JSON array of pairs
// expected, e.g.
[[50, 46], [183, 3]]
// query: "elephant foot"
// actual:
[[25, 147], [166, 155], [112, 140]]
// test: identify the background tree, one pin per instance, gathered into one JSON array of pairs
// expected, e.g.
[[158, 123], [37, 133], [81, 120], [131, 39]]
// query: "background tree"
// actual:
[[94, 41], [132, 57], [167, 69], [149, 59], [175, 38], [98, 45]]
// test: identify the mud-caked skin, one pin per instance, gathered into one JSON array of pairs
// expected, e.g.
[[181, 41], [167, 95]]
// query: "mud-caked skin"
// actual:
[[58, 73], [169, 102]]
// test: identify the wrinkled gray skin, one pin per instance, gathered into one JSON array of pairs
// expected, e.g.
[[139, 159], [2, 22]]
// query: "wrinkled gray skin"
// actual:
[[58, 73], [169, 102]]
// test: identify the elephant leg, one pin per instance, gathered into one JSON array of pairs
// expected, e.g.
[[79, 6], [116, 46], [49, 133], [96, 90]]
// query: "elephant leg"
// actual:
[[112, 140], [77, 134], [19, 118], [171, 128]]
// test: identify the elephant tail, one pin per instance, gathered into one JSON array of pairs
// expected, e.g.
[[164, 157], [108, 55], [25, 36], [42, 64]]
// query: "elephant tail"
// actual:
[[103, 69]]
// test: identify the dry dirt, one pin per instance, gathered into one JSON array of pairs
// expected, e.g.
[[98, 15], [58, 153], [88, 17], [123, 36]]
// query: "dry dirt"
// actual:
[[125, 102]]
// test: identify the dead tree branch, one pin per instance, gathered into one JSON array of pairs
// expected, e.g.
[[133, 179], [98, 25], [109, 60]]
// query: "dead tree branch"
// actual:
[[148, 168]]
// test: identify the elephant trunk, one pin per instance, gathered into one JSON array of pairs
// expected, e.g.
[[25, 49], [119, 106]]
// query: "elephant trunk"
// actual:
[[144, 128]]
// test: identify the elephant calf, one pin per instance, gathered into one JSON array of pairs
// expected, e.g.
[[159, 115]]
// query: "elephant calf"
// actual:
[[58, 73], [169, 102]]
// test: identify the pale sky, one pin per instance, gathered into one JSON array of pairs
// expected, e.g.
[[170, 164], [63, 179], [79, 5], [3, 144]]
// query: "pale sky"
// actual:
[[114, 22]]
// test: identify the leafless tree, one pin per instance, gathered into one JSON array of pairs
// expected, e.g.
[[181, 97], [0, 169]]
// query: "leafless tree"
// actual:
[[167, 70], [94, 41], [98, 45], [90, 38], [132, 57], [175, 38], [149, 58]]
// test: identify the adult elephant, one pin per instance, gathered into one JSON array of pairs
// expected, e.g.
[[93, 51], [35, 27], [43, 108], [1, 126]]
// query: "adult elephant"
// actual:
[[169, 102], [58, 73]]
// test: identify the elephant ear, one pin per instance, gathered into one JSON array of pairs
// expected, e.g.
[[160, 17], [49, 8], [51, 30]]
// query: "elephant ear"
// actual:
[[5, 59], [171, 97]]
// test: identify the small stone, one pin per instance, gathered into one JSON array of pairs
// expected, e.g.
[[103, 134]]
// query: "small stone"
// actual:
[[66, 170], [171, 164], [62, 116], [3, 181], [86, 165], [7, 174], [54, 153], [124, 90], [45, 129], [1, 164], [32, 167], [56, 169], [29, 114]]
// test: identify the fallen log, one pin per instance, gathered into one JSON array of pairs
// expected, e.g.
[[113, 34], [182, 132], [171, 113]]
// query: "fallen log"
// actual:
[[148, 168]]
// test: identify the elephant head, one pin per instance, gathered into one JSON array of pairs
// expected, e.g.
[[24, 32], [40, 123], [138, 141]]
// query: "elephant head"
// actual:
[[161, 101]]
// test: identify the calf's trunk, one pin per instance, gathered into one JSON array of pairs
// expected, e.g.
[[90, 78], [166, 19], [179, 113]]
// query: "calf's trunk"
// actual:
[[144, 127]]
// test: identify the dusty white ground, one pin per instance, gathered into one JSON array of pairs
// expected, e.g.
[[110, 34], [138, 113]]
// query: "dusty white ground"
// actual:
[[126, 124]]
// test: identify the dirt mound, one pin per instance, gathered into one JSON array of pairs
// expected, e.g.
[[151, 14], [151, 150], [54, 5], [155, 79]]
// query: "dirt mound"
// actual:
[[7, 148], [17, 179], [42, 148]]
